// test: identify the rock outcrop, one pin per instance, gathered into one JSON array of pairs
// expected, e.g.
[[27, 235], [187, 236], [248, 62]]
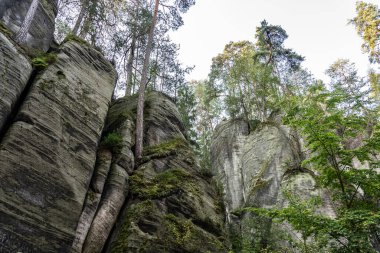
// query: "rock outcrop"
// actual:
[[48, 153], [15, 71], [69, 180], [258, 169], [40, 36], [169, 206]]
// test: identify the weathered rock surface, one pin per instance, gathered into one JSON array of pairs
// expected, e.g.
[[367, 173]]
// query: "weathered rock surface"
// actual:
[[48, 154], [228, 141], [258, 170], [15, 70], [171, 207], [12, 15]]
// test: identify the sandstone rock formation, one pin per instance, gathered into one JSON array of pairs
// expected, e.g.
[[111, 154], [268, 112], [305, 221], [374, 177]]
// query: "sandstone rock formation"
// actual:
[[15, 71], [169, 207], [256, 169], [12, 15], [69, 181], [48, 154]]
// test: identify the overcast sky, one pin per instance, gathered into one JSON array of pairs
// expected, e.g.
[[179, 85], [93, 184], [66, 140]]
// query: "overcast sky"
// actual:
[[317, 29]]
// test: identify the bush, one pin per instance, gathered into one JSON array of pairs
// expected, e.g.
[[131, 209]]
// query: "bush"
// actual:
[[113, 142]]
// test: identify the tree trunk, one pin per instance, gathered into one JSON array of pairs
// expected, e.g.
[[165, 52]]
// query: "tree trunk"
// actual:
[[22, 34], [131, 58], [143, 82], [89, 19], [82, 14]]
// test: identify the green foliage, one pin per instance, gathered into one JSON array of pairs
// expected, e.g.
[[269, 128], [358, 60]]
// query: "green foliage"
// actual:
[[270, 47], [186, 103], [367, 22], [339, 127], [41, 62], [253, 77], [249, 87], [112, 141], [208, 115]]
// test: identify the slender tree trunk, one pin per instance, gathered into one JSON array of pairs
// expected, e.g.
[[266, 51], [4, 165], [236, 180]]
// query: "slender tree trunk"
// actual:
[[131, 58], [136, 64], [22, 34], [82, 14], [89, 19], [144, 79]]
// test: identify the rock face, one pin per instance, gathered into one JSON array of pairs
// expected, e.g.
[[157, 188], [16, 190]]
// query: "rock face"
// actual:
[[15, 70], [170, 207], [69, 181], [68, 178], [258, 169], [12, 15], [48, 154]]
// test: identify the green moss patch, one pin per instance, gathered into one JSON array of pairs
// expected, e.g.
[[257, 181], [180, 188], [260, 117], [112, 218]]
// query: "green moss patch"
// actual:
[[165, 149], [163, 185], [41, 62], [183, 234], [133, 215], [181, 230], [72, 37]]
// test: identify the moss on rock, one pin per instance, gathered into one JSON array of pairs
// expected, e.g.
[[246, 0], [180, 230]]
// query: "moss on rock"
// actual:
[[162, 185], [72, 37], [182, 234], [132, 216], [42, 61], [165, 149]]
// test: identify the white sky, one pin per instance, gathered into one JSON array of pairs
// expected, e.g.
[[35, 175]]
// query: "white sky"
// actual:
[[317, 30]]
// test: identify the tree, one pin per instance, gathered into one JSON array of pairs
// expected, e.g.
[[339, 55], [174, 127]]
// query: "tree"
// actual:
[[249, 88], [22, 34], [209, 113], [253, 77], [81, 15], [344, 146], [367, 22], [271, 51], [174, 20], [143, 82], [187, 106]]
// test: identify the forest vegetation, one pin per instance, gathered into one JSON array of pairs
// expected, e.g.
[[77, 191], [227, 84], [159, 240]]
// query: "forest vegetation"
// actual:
[[255, 81]]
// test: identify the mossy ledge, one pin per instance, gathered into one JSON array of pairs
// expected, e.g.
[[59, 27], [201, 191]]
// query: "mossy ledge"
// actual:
[[165, 149], [162, 185], [42, 61], [72, 37]]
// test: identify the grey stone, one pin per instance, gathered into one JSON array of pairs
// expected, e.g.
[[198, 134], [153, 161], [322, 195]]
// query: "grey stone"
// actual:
[[48, 155], [256, 170], [15, 70], [13, 12], [171, 208]]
